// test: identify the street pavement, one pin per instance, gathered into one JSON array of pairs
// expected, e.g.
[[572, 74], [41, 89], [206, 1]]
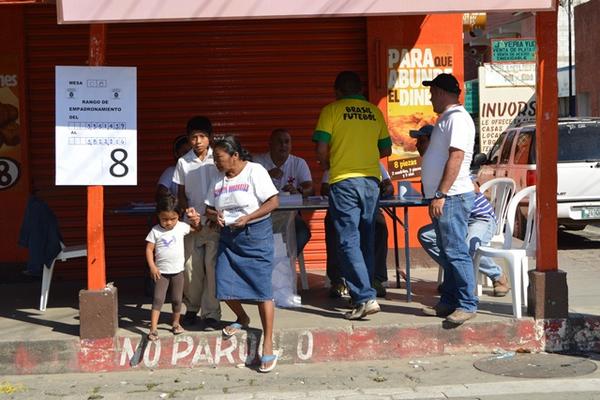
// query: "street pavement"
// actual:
[[446, 377]]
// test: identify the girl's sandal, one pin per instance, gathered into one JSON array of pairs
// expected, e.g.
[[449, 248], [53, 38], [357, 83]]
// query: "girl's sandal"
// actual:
[[153, 336], [177, 329]]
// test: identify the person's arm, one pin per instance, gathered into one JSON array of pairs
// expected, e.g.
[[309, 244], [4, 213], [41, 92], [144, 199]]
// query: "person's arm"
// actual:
[[307, 188], [322, 150], [324, 189], [181, 198], [194, 219], [385, 152], [269, 205], [154, 272], [451, 170], [386, 188]]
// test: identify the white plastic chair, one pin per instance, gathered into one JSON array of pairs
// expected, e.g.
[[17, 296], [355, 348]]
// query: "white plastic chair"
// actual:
[[499, 191], [516, 257], [65, 254]]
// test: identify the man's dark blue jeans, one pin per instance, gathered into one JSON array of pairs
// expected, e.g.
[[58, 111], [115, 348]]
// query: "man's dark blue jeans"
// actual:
[[352, 204], [451, 229]]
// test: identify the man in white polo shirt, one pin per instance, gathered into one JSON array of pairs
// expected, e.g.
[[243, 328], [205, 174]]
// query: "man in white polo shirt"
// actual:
[[446, 181]]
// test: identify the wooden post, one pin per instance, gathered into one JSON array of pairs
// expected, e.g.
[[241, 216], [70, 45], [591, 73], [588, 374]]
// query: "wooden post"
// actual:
[[95, 194], [546, 141], [548, 291]]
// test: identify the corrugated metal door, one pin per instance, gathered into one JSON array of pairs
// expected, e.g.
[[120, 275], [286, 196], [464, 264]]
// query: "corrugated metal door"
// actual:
[[249, 77]]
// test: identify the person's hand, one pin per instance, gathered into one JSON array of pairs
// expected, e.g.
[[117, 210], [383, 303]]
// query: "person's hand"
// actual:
[[386, 189], [193, 216], [220, 219], [241, 222], [275, 173], [436, 208], [154, 273], [290, 188]]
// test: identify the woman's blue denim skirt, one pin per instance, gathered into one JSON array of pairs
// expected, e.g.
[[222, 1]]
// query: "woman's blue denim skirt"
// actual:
[[245, 262]]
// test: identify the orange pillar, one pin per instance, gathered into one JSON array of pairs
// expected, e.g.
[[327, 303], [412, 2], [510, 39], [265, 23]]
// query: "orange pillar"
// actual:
[[95, 194], [546, 141]]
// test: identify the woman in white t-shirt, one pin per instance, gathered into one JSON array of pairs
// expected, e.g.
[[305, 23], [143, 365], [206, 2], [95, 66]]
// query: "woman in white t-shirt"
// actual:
[[165, 256], [240, 201]]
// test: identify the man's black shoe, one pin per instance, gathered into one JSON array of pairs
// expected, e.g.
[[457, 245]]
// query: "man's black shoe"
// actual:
[[190, 318]]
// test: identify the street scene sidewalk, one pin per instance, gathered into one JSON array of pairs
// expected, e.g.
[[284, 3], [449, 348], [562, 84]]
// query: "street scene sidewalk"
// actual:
[[47, 342], [428, 378]]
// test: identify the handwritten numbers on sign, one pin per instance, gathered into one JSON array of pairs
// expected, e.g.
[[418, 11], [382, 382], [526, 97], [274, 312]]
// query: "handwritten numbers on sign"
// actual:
[[9, 173], [119, 169]]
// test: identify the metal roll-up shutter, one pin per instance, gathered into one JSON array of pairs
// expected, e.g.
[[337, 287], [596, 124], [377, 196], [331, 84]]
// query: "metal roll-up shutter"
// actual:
[[249, 77]]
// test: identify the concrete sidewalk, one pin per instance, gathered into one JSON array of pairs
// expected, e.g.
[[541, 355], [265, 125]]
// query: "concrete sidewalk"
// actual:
[[47, 342]]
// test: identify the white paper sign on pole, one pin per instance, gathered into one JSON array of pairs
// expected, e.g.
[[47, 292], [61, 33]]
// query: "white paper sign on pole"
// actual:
[[96, 126]]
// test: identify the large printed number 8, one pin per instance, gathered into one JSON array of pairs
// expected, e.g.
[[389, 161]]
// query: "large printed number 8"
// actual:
[[118, 163]]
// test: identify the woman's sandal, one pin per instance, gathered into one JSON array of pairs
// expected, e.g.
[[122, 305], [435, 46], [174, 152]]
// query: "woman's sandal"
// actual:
[[269, 358], [234, 328], [153, 336], [177, 329]]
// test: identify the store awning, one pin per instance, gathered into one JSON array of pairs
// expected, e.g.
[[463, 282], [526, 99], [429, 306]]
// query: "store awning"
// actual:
[[112, 11]]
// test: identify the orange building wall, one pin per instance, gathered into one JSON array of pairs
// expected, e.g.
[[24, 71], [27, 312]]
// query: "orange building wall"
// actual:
[[410, 31]]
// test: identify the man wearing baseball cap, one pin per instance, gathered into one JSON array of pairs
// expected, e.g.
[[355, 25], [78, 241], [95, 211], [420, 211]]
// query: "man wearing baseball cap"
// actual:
[[446, 181]]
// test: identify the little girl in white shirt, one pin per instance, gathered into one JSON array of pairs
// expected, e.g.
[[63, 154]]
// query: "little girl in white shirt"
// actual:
[[165, 256]]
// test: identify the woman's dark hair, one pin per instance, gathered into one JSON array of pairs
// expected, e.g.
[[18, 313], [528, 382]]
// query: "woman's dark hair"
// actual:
[[231, 146], [167, 203]]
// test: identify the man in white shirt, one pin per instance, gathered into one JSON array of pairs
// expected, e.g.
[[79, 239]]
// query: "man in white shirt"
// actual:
[[446, 181], [289, 174], [194, 173]]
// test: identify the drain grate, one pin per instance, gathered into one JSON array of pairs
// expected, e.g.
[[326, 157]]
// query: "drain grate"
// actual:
[[536, 365]]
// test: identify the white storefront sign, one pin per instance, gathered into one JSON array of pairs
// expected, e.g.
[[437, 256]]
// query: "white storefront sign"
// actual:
[[96, 126], [502, 106]]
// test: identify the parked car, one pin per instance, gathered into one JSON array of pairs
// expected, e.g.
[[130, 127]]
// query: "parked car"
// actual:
[[578, 194]]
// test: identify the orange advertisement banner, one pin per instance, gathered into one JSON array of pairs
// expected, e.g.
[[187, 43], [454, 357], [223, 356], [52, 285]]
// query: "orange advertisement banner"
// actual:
[[10, 128], [14, 186], [408, 101]]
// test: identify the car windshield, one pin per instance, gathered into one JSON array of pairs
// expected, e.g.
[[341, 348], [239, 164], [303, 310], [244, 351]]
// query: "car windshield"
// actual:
[[577, 143]]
